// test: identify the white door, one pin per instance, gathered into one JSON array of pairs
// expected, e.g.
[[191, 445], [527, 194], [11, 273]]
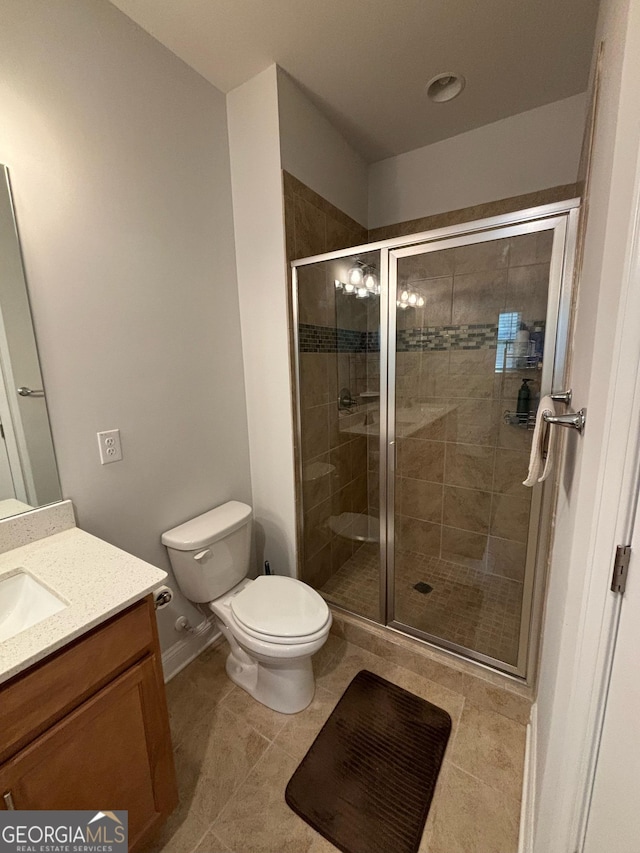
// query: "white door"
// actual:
[[614, 816]]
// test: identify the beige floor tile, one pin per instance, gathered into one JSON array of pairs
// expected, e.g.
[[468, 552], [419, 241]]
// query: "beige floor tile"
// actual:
[[301, 730], [322, 659], [212, 761], [348, 663], [483, 694], [265, 721], [470, 817], [196, 690], [257, 818], [491, 748], [431, 691], [212, 844]]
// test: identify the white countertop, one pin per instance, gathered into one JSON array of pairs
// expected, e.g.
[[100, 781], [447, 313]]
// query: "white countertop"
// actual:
[[95, 578]]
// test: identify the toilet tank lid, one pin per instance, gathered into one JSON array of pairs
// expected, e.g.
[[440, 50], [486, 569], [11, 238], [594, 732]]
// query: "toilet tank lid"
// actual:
[[207, 528]]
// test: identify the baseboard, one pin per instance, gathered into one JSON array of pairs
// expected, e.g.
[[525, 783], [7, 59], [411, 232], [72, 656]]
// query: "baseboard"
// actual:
[[188, 647], [527, 811]]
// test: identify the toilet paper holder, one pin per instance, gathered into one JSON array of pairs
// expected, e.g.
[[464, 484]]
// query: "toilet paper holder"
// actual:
[[162, 597]]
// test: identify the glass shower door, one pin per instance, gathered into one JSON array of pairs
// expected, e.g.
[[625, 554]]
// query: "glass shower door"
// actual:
[[473, 320], [337, 359]]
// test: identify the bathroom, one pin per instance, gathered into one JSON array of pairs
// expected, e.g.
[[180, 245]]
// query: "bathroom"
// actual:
[[149, 207]]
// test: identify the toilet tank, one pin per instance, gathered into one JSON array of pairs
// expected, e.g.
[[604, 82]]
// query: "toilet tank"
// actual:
[[210, 553]]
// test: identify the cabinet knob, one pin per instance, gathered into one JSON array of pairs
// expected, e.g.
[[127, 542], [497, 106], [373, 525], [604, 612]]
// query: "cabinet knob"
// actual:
[[8, 801]]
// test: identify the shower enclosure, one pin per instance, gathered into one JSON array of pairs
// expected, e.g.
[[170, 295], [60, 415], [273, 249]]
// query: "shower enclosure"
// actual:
[[414, 428]]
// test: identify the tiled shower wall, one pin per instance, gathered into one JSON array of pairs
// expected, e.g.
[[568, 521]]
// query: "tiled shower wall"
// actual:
[[334, 463], [459, 493]]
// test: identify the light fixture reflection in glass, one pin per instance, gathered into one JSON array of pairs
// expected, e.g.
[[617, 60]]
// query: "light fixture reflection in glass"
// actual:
[[349, 288], [362, 293], [338, 284], [355, 275], [370, 282]]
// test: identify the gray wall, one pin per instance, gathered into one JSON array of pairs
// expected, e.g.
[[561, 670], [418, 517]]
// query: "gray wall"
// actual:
[[120, 165]]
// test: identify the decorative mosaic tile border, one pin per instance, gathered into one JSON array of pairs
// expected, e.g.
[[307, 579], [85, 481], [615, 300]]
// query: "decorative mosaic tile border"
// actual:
[[329, 339], [472, 336], [443, 338]]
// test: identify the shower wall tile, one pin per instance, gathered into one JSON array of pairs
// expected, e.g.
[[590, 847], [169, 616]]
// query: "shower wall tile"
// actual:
[[530, 248], [340, 458], [419, 537], [510, 470], [316, 481], [316, 302], [463, 547], [481, 361], [479, 297], [467, 509], [430, 265], [314, 379], [478, 211], [341, 551], [513, 437], [510, 517], [477, 257], [435, 363], [319, 567], [419, 499], [438, 293], [473, 422], [469, 466], [527, 291], [476, 385], [422, 460], [315, 431], [310, 229], [506, 558], [317, 533]]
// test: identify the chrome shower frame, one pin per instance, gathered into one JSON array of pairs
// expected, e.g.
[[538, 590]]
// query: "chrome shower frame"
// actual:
[[562, 218]]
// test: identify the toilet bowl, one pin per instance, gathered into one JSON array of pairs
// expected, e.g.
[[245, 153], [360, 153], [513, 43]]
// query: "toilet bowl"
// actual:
[[274, 624]]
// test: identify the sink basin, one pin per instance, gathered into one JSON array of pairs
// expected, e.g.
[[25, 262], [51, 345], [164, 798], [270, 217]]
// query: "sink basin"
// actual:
[[24, 602]]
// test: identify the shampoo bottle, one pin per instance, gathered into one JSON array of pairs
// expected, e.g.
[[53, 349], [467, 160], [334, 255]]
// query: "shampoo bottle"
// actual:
[[524, 402]]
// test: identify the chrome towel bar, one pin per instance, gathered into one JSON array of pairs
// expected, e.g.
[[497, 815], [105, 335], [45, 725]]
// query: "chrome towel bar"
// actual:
[[574, 420]]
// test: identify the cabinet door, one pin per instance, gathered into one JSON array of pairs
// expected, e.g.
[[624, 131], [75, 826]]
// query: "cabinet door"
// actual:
[[113, 752]]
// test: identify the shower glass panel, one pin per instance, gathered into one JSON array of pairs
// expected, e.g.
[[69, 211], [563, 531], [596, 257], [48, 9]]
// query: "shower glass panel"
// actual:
[[338, 363], [470, 322], [419, 363]]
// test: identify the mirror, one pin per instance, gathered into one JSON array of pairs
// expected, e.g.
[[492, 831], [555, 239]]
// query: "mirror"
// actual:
[[28, 470]]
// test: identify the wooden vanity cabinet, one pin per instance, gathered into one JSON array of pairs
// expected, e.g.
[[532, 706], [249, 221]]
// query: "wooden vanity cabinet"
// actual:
[[88, 728]]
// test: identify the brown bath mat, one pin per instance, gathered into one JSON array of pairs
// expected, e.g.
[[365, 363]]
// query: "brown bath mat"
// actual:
[[368, 779]]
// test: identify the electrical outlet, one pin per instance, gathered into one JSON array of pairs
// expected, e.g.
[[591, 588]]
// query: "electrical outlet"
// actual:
[[109, 445]]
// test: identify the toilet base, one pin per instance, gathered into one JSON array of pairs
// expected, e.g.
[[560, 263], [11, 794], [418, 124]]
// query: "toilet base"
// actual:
[[288, 686]]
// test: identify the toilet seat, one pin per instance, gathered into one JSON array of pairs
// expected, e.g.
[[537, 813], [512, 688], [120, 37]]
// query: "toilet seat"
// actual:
[[280, 610]]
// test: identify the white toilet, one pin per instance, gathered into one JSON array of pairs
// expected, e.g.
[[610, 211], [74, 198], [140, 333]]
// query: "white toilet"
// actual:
[[274, 624]]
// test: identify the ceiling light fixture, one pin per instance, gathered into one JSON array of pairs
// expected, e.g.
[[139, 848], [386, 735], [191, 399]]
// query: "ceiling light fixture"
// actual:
[[445, 86]]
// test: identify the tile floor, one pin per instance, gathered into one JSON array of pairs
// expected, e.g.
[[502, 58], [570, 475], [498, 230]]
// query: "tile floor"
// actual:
[[234, 758], [466, 606]]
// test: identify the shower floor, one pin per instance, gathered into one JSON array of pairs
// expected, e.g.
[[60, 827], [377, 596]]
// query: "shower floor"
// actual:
[[465, 606]]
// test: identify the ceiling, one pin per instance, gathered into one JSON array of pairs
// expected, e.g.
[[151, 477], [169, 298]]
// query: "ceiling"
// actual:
[[365, 63]]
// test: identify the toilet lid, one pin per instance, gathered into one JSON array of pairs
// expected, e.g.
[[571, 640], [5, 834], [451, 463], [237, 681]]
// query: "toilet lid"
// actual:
[[280, 607]]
